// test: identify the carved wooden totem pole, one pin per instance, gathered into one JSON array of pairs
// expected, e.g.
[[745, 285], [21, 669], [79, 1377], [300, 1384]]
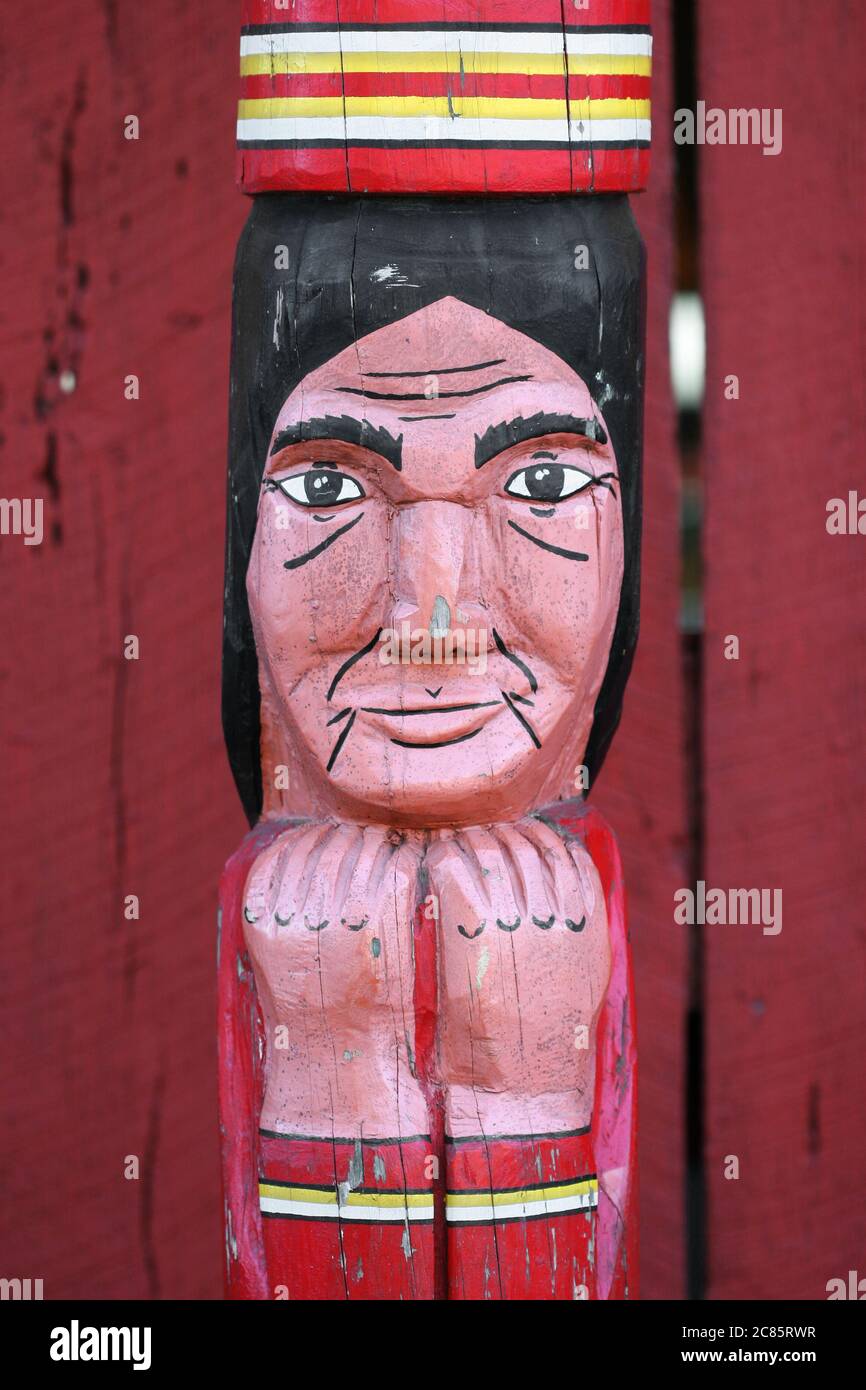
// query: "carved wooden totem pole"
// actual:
[[427, 1062]]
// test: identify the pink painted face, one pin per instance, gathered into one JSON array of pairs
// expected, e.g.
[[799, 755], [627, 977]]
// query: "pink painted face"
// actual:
[[435, 577]]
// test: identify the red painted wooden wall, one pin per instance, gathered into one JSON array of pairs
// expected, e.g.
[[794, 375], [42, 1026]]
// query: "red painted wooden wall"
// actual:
[[118, 260], [642, 788], [784, 271]]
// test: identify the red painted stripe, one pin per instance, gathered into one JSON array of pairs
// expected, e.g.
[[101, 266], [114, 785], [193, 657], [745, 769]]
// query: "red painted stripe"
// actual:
[[510, 1163], [312, 84], [268, 171], [443, 170], [514, 1260], [601, 85], [326, 1259], [388, 1167], [457, 12], [426, 1001], [332, 1260], [362, 84]]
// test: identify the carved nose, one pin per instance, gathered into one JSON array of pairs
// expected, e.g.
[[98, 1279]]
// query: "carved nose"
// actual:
[[429, 540], [434, 572]]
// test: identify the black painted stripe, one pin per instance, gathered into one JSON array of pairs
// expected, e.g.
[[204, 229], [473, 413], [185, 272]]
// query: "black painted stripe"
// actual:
[[356, 656], [442, 26], [420, 396], [545, 545], [338, 717], [446, 743], [519, 1138], [513, 145], [332, 1139], [425, 1217], [363, 1191], [443, 371], [525, 722], [519, 1187], [333, 758], [323, 545], [433, 709], [508, 1220], [521, 665]]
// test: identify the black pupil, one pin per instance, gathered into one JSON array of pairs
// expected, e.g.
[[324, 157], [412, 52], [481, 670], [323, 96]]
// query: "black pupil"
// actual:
[[323, 487], [544, 483]]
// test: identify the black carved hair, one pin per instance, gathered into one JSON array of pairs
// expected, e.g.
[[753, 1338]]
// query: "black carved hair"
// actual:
[[308, 283]]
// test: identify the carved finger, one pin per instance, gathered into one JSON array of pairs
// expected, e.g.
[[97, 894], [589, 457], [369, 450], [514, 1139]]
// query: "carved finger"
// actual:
[[262, 889], [458, 885], [569, 885], [491, 859]]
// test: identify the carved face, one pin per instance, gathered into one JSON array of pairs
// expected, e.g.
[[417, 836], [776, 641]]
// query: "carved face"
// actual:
[[435, 575]]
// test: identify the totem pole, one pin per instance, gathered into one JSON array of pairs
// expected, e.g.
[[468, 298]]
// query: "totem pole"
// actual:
[[427, 1057]]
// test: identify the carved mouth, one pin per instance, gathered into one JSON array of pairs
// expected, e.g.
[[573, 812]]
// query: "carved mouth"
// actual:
[[431, 726]]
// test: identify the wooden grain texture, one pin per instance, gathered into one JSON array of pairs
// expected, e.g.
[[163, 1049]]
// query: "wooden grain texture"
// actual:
[[642, 786], [783, 274], [117, 260]]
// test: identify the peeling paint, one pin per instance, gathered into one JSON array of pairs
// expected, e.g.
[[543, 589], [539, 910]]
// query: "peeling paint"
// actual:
[[356, 1167], [481, 970]]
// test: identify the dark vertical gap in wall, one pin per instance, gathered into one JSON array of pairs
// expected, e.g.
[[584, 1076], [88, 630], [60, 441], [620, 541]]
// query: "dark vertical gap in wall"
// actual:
[[685, 66]]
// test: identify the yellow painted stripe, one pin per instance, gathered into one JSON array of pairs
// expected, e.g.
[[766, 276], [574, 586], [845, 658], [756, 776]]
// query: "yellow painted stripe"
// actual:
[[528, 1194], [353, 1199], [507, 108], [613, 64], [533, 64]]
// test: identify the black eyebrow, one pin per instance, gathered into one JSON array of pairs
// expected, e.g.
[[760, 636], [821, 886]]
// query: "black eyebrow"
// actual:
[[519, 431], [347, 429]]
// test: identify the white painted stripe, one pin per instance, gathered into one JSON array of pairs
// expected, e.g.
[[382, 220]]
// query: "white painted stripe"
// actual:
[[634, 45], [436, 128], [517, 1210], [443, 41], [284, 1206]]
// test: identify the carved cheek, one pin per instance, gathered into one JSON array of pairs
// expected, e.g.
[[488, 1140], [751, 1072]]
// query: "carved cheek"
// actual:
[[564, 607], [313, 585]]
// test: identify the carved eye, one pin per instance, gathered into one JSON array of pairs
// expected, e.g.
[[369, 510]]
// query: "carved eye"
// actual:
[[547, 482], [321, 487]]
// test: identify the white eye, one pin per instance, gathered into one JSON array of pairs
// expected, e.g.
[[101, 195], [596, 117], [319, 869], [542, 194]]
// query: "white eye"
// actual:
[[548, 482], [321, 487]]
